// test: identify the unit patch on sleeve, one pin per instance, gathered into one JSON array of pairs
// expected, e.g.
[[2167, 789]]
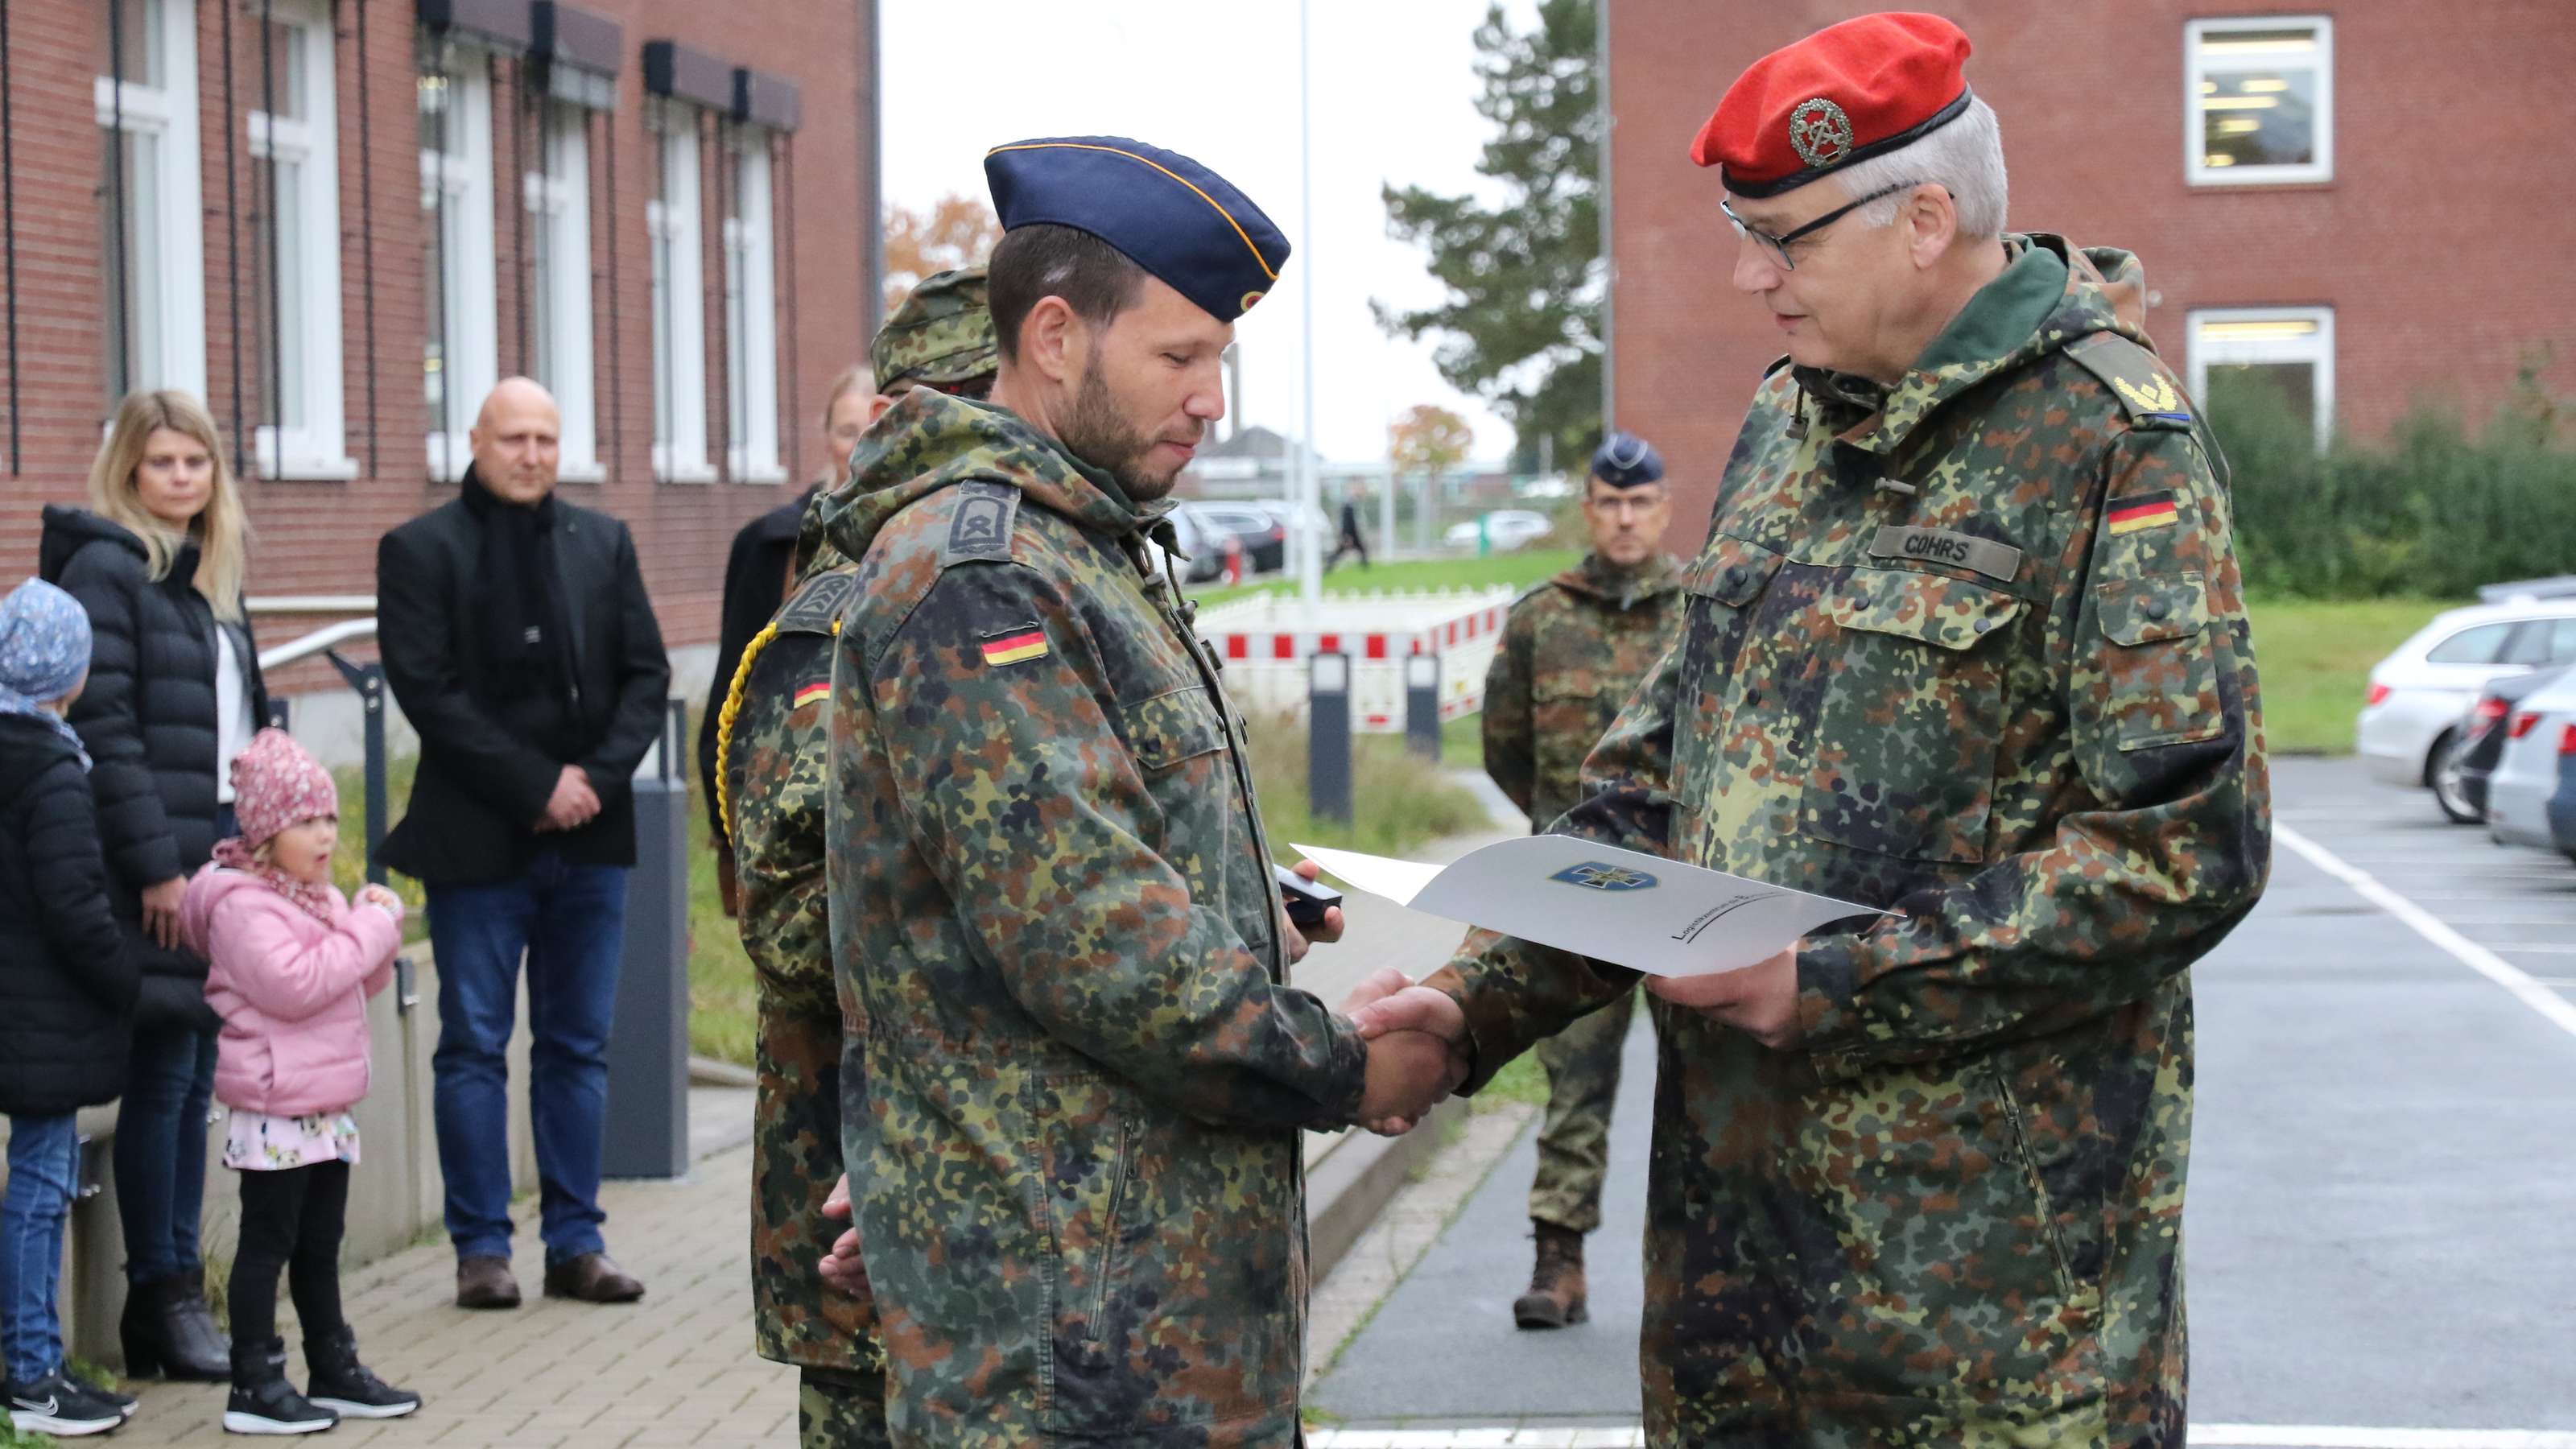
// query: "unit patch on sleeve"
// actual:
[[1016, 645], [2144, 510]]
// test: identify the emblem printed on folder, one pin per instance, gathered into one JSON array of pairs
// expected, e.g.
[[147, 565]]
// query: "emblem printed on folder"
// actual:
[[1592, 875]]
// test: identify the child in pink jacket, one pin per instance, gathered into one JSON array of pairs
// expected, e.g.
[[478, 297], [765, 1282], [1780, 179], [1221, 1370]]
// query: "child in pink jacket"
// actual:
[[292, 965]]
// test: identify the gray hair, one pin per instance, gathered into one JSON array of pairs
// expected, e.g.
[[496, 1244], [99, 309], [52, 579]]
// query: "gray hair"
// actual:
[[1965, 157]]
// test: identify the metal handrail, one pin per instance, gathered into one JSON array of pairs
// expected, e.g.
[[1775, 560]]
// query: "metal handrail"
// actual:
[[321, 641], [313, 604]]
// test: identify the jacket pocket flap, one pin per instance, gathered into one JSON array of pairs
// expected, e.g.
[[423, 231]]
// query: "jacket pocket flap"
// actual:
[[1947, 612], [1731, 571], [2146, 611], [1170, 728]]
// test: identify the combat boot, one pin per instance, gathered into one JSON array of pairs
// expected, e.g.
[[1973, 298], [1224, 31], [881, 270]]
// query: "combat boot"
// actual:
[[1556, 1292]]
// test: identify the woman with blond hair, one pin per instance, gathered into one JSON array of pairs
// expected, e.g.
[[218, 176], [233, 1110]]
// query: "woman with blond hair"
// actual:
[[174, 693]]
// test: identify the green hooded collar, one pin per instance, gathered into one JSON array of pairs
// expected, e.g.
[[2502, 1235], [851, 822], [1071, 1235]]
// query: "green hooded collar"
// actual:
[[929, 441], [1598, 578], [2050, 295]]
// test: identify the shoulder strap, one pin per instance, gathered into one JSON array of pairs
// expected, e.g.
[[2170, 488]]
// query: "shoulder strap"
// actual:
[[980, 522], [2146, 388], [815, 607]]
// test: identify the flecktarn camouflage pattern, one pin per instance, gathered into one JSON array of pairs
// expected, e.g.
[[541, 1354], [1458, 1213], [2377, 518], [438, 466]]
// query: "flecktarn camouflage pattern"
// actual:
[[1080, 1193], [775, 758], [941, 335], [1573, 650], [1971, 648]]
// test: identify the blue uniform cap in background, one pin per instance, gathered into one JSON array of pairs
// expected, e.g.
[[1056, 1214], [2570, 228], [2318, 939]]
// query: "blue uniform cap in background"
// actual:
[[1166, 212], [1625, 460]]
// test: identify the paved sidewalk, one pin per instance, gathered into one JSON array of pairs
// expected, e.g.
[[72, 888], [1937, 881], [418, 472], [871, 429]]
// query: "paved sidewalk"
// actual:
[[675, 1369]]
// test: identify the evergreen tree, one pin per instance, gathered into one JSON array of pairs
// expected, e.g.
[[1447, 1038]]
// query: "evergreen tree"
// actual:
[[1521, 326]]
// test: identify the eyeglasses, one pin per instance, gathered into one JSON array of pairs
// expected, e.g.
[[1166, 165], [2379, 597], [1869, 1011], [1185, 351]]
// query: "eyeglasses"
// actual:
[[1778, 246]]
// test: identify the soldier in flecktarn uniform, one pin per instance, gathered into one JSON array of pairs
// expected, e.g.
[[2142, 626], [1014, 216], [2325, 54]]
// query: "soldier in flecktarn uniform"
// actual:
[[1967, 643], [1078, 1178], [1573, 650], [773, 742]]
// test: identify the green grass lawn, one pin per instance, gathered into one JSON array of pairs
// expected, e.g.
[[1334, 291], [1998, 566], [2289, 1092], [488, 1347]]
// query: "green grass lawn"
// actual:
[[1519, 570], [2315, 661]]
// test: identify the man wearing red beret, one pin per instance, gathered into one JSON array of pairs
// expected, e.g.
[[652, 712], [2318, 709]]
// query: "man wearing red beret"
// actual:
[[1965, 644]]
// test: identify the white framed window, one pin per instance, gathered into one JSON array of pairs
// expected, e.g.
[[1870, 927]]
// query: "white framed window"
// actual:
[[679, 306], [558, 202], [751, 315], [302, 431], [2258, 100], [2268, 356], [152, 242], [460, 346]]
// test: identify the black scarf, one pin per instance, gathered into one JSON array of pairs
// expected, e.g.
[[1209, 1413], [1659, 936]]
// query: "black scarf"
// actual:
[[526, 630]]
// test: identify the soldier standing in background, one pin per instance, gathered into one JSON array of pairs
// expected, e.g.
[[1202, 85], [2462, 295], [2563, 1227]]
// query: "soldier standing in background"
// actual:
[[1966, 643], [1573, 650], [773, 747]]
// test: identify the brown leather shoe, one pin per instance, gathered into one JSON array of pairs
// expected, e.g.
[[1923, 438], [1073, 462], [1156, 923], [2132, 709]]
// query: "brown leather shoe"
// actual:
[[484, 1281], [592, 1278], [1556, 1295]]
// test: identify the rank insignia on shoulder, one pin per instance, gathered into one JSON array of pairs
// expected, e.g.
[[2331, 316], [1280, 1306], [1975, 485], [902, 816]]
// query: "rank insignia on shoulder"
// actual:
[[1015, 646], [816, 692], [2145, 510]]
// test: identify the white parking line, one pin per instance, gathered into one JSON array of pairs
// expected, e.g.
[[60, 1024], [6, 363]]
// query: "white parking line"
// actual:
[[2424, 923], [2203, 1436]]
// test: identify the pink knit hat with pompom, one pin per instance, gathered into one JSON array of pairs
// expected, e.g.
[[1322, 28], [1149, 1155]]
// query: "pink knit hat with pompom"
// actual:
[[276, 784]]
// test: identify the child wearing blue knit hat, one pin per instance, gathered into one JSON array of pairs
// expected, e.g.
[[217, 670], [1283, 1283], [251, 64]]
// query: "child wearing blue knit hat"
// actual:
[[66, 987]]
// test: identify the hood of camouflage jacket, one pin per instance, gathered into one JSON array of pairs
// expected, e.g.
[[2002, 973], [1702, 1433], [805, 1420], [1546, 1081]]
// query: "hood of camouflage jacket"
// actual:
[[2050, 296], [1596, 577], [930, 440]]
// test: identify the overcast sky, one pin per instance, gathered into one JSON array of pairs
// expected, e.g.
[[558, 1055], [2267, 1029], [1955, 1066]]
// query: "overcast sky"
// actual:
[[1394, 95]]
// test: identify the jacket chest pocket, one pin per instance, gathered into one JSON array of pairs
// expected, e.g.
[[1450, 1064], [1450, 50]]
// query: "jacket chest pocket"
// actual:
[[1180, 743], [1719, 590], [1903, 759]]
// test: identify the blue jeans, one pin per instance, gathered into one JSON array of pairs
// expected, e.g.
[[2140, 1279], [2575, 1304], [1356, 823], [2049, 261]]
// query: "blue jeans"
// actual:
[[570, 920], [44, 1166], [161, 1151]]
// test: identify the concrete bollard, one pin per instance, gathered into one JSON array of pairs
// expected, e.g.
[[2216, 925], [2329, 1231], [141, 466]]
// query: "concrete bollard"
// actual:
[[1422, 705], [1328, 737], [648, 1048]]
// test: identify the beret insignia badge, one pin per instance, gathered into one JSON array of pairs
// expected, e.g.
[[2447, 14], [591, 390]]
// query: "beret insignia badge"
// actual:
[[1820, 131], [1248, 299]]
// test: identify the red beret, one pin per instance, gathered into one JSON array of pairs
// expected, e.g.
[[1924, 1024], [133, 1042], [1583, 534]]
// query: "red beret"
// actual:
[[1843, 94]]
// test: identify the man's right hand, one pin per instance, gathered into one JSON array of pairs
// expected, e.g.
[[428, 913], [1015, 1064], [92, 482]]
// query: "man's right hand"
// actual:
[[840, 1267], [573, 803]]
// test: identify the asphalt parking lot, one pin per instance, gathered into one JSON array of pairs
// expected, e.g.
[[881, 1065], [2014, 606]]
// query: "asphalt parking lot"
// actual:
[[2378, 1246]]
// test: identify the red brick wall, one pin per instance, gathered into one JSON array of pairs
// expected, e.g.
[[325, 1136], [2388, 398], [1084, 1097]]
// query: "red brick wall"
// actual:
[[319, 537], [2435, 243]]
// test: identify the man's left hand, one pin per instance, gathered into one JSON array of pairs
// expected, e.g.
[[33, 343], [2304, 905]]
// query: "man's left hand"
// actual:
[[840, 1268], [1760, 1001], [1323, 935]]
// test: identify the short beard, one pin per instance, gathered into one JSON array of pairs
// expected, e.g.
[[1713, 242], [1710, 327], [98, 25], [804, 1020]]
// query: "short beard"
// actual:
[[1099, 435]]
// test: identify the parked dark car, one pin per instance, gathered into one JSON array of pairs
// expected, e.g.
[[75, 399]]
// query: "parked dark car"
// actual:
[[1265, 542], [2460, 785]]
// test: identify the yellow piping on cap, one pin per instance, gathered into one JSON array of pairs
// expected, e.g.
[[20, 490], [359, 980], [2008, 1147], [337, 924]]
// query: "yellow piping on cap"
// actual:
[[1258, 259]]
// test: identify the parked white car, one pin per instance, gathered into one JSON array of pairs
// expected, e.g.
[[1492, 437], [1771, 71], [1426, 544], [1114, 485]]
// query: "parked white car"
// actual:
[[2531, 797], [1505, 528], [2411, 715]]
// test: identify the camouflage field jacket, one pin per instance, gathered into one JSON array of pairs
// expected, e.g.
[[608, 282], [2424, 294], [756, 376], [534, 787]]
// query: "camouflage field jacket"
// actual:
[[1082, 1205], [1573, 650], [1971, 649]]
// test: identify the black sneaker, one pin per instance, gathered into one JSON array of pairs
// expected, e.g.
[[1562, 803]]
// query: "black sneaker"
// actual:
[[125, 1403], [263, 1402], [347, 1387], [57, 1406]]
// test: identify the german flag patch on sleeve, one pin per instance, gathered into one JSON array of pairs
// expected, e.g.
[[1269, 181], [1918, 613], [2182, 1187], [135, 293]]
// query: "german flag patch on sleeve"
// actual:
[[1015, 646], [814, 693], [2145, 510]]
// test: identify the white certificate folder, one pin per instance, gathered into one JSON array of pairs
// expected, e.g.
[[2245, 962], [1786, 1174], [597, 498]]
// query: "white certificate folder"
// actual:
[[1620, 906]]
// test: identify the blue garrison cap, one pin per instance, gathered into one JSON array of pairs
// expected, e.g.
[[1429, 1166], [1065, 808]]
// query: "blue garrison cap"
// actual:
[[1172, 216], [1627, 461]]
